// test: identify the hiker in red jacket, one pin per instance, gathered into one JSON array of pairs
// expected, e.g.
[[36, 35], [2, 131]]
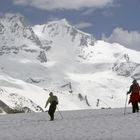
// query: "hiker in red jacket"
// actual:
[[134, 97]]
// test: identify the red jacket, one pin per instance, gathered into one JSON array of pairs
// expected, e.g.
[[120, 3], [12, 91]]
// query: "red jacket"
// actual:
[[134, 90]]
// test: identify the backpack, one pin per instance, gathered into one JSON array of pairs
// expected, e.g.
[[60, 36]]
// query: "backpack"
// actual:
[[55, 99]]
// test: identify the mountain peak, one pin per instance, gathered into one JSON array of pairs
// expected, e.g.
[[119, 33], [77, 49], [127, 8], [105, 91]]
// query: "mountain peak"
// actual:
[[61, 22], [11, 17], [64, 21], [16, 34]]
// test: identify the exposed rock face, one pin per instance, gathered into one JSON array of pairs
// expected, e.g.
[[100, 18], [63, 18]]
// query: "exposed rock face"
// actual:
[[16, 35]]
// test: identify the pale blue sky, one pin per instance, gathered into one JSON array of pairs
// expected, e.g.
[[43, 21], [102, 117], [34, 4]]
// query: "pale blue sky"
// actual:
[[92, 17]]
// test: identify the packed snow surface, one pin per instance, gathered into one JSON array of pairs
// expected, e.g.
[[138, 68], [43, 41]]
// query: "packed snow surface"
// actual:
[[103, 124]]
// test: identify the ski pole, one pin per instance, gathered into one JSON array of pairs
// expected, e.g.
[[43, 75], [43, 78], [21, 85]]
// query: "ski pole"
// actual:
[[59, 113], [125, 104]]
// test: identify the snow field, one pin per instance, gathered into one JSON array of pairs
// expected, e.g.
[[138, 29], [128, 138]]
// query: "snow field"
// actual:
[[108, 124]]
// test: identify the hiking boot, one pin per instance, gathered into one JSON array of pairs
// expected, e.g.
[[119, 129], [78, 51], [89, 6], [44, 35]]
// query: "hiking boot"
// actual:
[[51, 119]]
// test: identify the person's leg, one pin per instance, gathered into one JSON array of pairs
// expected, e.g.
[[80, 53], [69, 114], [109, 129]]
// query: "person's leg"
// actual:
[[133, 108], [51, 111], [137, 107]]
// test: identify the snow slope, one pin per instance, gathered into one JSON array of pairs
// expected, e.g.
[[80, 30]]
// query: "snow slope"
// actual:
[[98, 70], [83, 72], [104, 124]]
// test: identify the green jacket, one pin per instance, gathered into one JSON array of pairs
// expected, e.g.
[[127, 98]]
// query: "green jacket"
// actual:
[[50, 100]]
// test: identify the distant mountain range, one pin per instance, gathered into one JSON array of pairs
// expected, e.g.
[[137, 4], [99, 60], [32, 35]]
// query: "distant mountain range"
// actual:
[[79, 69]]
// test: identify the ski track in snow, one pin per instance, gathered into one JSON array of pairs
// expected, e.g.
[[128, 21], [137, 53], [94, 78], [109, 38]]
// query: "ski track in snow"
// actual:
[[109, 124]]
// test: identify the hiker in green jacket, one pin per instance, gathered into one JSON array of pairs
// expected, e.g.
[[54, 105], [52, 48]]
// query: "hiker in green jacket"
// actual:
[[53, 100]]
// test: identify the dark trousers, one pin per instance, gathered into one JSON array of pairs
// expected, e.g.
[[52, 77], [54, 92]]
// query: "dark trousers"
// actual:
[[135, 107], [51, 111]]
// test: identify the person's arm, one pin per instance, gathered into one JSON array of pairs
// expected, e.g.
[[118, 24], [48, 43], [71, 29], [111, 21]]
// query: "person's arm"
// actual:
[[48, 101], [130, 90], [139, 87]]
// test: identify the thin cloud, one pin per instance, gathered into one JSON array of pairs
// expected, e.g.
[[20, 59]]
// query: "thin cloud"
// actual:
[[1, 13], [83, 25], [64, 4], [130, 39], [88, 12], [107, 13]]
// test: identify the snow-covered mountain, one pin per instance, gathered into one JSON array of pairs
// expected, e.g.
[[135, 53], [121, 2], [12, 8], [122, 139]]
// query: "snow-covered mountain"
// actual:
[[83, 72], [15, 35], [55, 31], [19, 103]]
